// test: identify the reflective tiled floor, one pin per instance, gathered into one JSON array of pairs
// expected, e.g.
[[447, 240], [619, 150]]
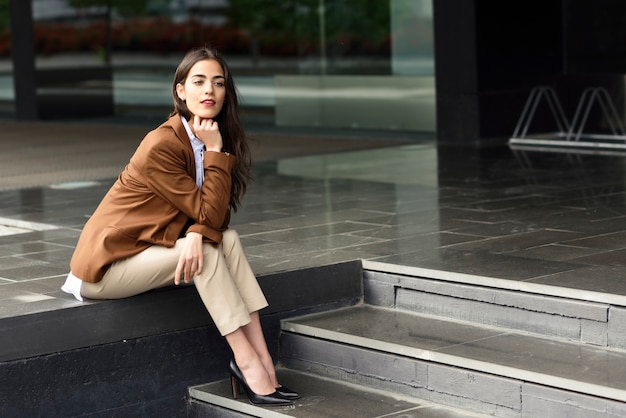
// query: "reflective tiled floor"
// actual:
[[548, 218]]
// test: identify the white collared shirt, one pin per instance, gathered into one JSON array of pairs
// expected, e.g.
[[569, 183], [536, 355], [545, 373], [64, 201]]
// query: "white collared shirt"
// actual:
[[198, 152], [72, 286]]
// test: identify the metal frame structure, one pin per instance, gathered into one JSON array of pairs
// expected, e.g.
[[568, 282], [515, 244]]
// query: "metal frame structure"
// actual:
[[571, 135]]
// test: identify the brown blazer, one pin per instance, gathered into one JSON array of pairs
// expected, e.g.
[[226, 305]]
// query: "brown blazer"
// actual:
[[153, 199]]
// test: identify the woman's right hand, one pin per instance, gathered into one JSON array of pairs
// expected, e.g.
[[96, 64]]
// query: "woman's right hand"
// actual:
[[208, 132], [191, 260]]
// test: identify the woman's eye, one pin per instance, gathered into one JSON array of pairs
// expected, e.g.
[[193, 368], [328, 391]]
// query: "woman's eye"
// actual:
[[198, 82], [219, 84]]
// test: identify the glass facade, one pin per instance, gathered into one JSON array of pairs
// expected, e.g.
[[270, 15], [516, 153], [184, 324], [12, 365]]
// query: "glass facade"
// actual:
[[360, 64]]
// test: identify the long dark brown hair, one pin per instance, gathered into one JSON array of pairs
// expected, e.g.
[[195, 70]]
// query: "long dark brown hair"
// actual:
[[233, 136]]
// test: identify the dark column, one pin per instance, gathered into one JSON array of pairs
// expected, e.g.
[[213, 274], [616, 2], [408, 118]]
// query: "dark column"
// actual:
[[455, 71], [54, 93], [488, 55], [23, 47]]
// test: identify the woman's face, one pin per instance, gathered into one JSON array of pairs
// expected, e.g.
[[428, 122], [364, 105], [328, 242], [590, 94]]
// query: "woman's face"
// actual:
[[204, 89]]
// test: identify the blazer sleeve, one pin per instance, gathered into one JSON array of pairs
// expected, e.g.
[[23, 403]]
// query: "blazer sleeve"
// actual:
[[217, 165], [168, 176]]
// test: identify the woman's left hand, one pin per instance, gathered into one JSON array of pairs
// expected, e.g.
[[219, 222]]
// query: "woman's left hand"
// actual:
[[208, 132], [191, 260]]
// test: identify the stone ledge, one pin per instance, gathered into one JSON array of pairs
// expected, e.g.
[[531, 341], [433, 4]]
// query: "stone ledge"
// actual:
[[166, 310]]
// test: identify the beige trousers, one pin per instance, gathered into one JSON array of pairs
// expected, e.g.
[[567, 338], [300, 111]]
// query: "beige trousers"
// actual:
[[227, 285]]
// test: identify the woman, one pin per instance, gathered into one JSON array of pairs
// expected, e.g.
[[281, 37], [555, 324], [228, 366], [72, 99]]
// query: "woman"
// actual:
[[165, 221]]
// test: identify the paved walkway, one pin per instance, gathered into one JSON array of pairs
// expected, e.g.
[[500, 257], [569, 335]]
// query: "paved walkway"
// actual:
[[555, 221], [45, 153]]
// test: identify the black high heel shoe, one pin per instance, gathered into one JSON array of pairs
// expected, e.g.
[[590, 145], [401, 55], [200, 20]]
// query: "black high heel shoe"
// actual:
[[236, 377], [287, 393]]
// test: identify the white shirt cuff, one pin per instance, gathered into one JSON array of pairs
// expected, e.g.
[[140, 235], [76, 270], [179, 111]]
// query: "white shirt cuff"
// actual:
[[72, 286]]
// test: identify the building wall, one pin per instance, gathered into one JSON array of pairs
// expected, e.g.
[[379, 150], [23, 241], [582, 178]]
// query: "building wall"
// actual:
[[490, 54], [461, 69]]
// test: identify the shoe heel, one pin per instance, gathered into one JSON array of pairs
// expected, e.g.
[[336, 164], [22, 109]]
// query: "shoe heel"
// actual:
[[237, 380], [233, 386]]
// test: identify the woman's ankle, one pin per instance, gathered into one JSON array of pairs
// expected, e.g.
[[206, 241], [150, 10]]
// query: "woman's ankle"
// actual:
[[268, 364], [257, 377]]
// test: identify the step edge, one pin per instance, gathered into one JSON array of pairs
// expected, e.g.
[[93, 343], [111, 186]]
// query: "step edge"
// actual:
[[424, 354], [529, 287], [196, 392], [467, 323]]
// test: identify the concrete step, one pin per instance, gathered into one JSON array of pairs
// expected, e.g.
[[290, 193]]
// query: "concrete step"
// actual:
[[321, 398], [555, 312], [478, 368]]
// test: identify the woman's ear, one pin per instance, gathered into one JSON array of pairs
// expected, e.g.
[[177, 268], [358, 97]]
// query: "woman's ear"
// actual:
[[180, 91]]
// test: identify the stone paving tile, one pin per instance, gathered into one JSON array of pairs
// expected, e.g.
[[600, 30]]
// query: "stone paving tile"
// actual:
[[542, 218]]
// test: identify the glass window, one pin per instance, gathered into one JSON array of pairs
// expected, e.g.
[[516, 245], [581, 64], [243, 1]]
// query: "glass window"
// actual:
[[6, 67], [349, 64]]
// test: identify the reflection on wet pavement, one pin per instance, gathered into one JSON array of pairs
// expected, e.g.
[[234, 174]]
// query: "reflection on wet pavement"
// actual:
[[539, 217]]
